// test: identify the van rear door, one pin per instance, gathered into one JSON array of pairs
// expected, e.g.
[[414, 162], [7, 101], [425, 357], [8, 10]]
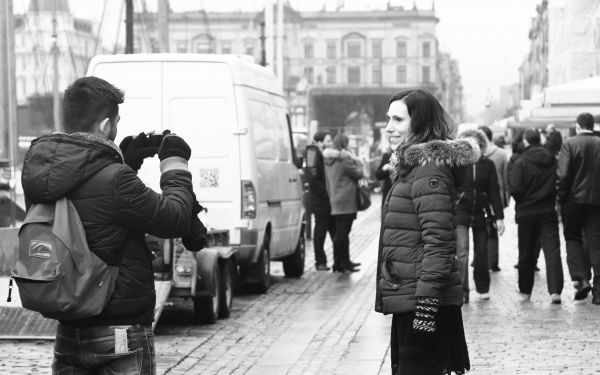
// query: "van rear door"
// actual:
[[199, 105]]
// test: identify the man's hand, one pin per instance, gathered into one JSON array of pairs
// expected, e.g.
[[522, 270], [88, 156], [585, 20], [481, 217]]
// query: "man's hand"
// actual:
[[173, 145], [500, 226], [137, 148]]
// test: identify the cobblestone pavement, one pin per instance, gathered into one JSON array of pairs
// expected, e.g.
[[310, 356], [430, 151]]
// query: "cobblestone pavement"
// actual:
[[324, 323]]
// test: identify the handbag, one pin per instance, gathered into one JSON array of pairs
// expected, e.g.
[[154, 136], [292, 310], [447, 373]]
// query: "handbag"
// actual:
[[490, 219], [363, 194]]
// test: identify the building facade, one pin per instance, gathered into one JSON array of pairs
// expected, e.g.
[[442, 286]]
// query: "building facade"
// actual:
[[344, 52], [76, 42], [533, 72]]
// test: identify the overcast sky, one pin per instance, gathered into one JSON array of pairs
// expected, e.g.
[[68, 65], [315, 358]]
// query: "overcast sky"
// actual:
[[489, 38]]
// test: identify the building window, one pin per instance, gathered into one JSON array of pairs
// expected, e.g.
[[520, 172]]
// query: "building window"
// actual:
[[331, 75], [181, 47], [354, 49], [376, 49], [204, 46], [249, 49], [226, 47], [331, 50], [426, 74], [401, 74], [309, 74], [353, 74], [308, 50], [426, 49], [401, 49], [376, 73]]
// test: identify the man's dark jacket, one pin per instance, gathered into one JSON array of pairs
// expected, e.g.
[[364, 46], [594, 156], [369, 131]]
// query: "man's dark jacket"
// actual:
[[316, 199], [477, 190], [116, 210], [533, 182], [579, 170]]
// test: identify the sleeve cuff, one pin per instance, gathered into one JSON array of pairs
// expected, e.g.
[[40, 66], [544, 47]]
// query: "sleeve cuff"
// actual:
[[173, 163]]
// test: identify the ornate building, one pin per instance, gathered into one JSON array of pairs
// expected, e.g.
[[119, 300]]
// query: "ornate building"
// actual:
[[533, 73]]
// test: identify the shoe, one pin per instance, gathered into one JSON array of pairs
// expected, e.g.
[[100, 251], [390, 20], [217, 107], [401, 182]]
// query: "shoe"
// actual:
[[466, 298], [537, 269], [523, 297], [555, 299], [353, 264], [322, 267], [343, 268], [516, 266], [583, 288], [495, 269], [484, 296]]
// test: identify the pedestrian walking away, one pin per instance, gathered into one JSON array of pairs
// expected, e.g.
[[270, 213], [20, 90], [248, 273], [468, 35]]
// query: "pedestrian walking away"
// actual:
[[500, 158], [479, 208], [533, 182], [316, 199], [116, 210], [579, 197], [383, 174], [343, 170], [418, 279]]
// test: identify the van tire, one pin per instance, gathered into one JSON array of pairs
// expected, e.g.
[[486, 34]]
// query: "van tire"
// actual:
[[261, 270], [227, 286], [293, 265], [207, 309]]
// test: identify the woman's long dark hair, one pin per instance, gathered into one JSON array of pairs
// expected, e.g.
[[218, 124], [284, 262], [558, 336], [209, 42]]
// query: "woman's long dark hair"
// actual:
[[340, 142], [428, 120]]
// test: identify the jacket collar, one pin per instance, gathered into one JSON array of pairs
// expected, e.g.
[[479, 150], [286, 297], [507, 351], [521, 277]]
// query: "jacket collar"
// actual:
[[452, 153]]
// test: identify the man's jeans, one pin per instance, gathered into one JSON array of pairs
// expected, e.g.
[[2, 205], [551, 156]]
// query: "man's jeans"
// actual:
[[543, 229], [323, 225], [91, 350], [492, 247], [481, 274], [581, 225]]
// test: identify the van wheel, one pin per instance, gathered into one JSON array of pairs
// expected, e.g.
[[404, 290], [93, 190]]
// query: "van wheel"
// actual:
[[293, 265], [227, 285], [262, 269], [207, 309]]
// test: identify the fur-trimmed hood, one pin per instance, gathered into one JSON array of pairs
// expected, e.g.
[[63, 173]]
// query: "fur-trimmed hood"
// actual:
[[330, 155], [452, 153]]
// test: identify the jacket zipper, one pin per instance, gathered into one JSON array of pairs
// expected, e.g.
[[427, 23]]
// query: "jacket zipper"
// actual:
[[474, 193]]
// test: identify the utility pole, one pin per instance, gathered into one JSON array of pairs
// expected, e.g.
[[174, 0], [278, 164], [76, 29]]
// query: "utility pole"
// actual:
[[55, 54], [280, 75], [269, 26], [8, 95], [163, 25], [128, 26]]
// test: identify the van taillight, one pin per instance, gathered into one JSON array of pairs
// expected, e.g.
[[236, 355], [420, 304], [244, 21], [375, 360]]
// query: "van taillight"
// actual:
[[248, 200]]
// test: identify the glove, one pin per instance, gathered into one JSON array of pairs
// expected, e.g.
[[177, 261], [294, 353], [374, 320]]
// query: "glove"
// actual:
[[424, 322], [173, 145], [137, 148], [195, 238]]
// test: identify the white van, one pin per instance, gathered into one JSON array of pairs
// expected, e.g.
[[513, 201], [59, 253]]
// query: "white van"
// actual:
[[233, 115]]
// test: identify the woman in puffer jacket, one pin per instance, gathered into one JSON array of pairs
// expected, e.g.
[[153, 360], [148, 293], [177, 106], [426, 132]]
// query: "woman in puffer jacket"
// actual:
[[479, 201], [418, 280], [342, 172]]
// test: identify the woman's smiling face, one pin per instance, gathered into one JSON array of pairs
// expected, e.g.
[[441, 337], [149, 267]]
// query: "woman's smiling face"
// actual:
[[398, 123]]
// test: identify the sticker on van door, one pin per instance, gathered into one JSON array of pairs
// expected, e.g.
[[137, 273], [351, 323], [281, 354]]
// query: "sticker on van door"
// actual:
[[209, 178]]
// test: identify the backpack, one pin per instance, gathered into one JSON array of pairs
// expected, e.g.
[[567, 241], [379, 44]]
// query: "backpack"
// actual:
[[57, 274]]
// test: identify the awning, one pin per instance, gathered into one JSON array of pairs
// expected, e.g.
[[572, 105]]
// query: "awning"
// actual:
[[582, 92]]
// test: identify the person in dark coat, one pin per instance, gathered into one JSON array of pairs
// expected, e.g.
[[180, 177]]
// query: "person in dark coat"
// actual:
[[534, 189], [383, 174], [316, 199], [579, 196], [418, 280], [342, 171], [116, 210], [479, 207], [554, 140]]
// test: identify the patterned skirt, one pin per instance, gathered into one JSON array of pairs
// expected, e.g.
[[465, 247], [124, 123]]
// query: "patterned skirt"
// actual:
[[444, 353]]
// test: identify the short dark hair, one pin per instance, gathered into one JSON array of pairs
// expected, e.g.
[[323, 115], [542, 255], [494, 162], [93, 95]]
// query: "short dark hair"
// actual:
[[340, 142], [487, 131], [89, 100], [532, 136], [586, 121], [428, 120], [320, 136]]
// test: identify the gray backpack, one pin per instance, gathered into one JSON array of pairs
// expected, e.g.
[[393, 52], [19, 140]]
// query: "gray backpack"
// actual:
[[57, 274]]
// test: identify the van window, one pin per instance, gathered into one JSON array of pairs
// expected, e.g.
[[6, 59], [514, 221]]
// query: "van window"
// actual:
[[283, 136], [264, 129], [203, 123]]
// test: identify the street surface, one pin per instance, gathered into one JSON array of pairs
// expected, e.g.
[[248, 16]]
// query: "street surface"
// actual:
[[324, 323]]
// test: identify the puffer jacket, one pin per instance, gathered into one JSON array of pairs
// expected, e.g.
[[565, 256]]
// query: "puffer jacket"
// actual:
[[342, 172], [417, 244], [116, 210]]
